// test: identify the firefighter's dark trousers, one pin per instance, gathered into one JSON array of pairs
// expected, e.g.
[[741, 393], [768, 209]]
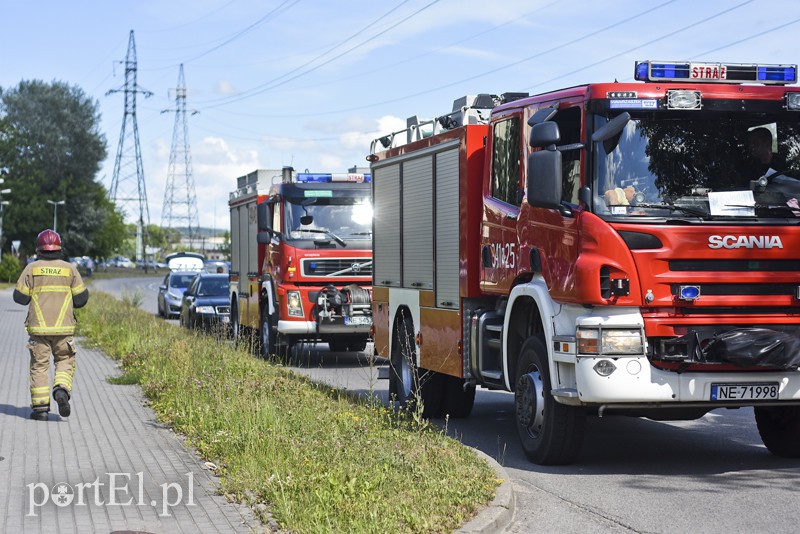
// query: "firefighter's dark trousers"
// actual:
[[63, 350]]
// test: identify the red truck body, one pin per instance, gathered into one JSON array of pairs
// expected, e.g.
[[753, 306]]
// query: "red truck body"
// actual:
[[611, 246], [301, 259]]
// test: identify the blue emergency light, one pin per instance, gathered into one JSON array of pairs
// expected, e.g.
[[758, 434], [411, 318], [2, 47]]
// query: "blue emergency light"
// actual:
[[308, 177], [676, 71]]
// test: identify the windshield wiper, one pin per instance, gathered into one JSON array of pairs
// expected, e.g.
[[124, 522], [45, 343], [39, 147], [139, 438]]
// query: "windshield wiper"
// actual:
[[672, 207], [328, 232]]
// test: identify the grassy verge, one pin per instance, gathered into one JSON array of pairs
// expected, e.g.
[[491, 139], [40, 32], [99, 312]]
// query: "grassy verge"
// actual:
[[318, 460]]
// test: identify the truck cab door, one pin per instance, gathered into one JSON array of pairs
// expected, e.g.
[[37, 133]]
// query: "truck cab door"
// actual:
[[501, 207], [549, 235]]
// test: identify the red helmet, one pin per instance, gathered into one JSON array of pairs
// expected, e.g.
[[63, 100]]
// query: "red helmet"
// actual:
[[48, 240]]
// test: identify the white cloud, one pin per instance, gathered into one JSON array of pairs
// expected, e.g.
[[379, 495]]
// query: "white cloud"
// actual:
[[225, 88]]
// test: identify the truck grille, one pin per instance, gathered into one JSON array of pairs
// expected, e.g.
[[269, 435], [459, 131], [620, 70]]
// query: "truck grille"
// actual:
[[335, 267]]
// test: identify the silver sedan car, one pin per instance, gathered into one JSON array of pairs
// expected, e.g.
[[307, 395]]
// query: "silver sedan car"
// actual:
[[170, 292]]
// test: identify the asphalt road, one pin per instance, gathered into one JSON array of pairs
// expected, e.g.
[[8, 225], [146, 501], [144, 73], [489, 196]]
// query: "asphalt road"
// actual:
[[634, 475]]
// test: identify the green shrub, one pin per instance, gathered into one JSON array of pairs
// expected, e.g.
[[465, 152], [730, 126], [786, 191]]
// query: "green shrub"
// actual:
[[10, 268]]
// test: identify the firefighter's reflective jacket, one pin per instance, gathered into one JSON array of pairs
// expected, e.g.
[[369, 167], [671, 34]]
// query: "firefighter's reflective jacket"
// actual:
[[50, 287]]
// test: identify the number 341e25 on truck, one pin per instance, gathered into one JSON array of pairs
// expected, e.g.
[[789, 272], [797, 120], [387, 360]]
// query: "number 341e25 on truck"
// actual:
[[301, 259], [628, 247]]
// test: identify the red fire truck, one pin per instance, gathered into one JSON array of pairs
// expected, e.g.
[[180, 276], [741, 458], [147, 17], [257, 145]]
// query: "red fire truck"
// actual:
[[301, 259], [622, 247]]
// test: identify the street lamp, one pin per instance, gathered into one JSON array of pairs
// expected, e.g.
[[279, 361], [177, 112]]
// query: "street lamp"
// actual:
[[3, 204], [56, 204]]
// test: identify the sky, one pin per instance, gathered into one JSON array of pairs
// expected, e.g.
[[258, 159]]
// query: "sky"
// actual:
[[309, 83]]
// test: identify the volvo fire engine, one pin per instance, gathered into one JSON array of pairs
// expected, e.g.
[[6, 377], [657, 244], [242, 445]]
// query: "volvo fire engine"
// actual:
[[301, 259], [610, 247]]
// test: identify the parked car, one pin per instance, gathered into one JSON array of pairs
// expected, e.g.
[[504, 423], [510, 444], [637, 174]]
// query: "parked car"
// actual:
[[151, 265], [206, 303], [185, 261], [120, 261], [171, 290]]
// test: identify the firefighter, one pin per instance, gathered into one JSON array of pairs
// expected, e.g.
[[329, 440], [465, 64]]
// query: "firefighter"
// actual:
[[51, 288]]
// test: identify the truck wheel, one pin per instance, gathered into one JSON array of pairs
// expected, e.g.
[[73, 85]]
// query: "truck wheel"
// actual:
[[235, 326], [266, 338], [458, 401], [779, 427], [412, 384], [337, 345], [357, 345], [551, 433]]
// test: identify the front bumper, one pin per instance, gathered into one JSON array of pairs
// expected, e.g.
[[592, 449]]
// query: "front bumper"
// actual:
[[636, 381], [327, 326]]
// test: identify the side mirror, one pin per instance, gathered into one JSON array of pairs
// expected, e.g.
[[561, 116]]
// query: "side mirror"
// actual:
[[545, 134], [162, 287], [263, 218], [544, 167]]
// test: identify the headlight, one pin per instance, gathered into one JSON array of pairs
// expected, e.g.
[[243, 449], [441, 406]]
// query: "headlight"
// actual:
[[173, 295], [294, 303], [608, 341], [205, 309]]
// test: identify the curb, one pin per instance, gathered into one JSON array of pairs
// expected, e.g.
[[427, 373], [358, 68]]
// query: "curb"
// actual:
[[497, 516]]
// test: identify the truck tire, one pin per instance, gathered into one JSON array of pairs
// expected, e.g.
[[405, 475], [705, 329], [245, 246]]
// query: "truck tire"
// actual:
[[266, 337], [357, 345], [337, 345], [551, 433], [779, 427], [413, 385], [458, 401], [235, 326]]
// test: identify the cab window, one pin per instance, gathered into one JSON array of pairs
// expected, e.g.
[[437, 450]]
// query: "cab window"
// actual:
[[569, 126], [506, 155]]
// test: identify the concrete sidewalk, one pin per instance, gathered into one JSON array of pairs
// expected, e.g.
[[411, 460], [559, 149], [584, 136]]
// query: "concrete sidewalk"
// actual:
[[108, 467]]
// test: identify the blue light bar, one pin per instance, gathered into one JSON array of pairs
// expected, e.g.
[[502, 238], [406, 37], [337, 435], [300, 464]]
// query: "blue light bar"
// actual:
[[676, 71], [308, 177]]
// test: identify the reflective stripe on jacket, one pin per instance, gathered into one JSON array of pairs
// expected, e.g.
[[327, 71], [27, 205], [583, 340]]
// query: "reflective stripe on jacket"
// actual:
[[51, 284]]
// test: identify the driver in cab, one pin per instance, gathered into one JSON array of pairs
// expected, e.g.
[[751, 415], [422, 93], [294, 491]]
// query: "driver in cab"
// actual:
[[759, 145]]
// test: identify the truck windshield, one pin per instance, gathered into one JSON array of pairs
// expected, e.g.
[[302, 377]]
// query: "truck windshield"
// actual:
[[347, 218], [697, 164]]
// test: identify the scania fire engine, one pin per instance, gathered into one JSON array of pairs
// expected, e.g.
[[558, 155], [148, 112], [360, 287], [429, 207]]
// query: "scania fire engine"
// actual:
[[301, 259], [622, 247]]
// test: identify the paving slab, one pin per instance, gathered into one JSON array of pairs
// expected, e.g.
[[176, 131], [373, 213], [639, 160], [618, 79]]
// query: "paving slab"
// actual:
[[108, 467]]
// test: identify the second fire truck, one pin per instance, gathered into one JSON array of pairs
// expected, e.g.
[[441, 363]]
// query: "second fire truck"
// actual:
[[301, 259]]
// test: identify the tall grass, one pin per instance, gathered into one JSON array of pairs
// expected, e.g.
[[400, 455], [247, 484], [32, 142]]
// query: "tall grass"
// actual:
[[319, 460]]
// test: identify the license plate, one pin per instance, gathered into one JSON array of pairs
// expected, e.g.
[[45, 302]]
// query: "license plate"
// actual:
[[753, 391], [358, 320]]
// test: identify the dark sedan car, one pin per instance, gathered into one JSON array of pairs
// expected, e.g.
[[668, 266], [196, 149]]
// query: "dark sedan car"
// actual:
[[206, 303]]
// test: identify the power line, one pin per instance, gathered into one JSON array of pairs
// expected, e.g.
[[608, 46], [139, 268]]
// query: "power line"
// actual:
[[275, 83], [283, 6], [365, 73], [629, 50], [492, 71]]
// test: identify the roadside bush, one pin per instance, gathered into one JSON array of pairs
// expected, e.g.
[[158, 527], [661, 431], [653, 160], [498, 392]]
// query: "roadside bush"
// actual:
[[10, 268]]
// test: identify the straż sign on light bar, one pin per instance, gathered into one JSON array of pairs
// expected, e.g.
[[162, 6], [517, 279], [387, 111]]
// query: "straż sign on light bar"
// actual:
[[707, 71]]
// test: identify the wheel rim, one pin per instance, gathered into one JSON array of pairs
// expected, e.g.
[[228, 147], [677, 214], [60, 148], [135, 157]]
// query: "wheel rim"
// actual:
[[235, 322], [529, 397], [265, 336], [406, 374]]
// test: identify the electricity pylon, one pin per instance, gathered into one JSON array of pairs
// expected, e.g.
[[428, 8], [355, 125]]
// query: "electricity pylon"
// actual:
[[127, 182], [180, 200]]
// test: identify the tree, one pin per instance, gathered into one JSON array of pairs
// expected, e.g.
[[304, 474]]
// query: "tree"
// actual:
[[52, 148]]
